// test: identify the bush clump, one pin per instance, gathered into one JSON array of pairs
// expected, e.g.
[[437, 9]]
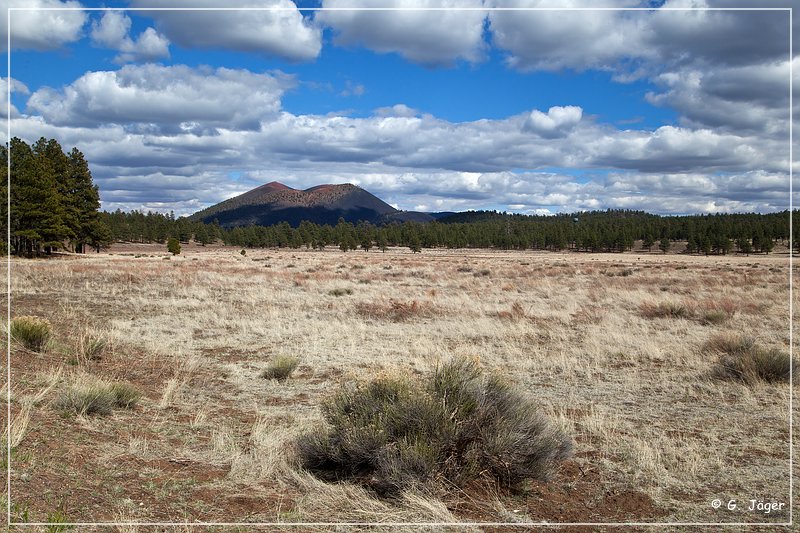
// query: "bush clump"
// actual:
[[741, 359], [32, 332], [456, 426], [280, 368], [665, 310], [90, 396]]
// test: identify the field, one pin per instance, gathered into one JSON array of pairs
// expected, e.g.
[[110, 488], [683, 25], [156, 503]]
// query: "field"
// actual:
[[614, 347]]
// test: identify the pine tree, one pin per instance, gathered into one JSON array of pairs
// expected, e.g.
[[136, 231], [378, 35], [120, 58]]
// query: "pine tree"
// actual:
[[82, 201], [174, 246], [37, 208], [649, 241], [414, 243]]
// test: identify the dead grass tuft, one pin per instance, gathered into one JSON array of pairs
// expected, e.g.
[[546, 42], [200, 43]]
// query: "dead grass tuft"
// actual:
[[281, 368], [653, 310], [741, 359], [396, 310], [89, 395]]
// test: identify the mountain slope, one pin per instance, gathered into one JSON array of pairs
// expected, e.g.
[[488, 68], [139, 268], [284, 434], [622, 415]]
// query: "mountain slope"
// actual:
[[324, 204]]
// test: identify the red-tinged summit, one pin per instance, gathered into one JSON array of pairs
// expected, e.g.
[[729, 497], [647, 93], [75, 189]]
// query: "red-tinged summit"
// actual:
[[275, 202]]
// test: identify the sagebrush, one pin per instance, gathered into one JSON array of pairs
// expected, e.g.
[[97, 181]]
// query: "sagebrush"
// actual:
[[453, 427], [741, 359]]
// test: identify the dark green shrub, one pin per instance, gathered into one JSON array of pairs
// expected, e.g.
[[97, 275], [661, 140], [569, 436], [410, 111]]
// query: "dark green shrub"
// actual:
[[173, 246], [455, 426], [280, 368], [740, 359], [30, 331]]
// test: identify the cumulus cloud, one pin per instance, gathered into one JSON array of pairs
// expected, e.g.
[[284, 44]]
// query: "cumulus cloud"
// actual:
[[283, 33], [429, 38], [16, 87], [632, 42], [752, 98], [397, 110], [167, 98], [557, 122], [41, 30], [112, 32], [409, 161], [554, 40]]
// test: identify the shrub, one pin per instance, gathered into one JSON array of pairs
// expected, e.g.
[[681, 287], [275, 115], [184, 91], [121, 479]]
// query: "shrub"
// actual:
[[714, 317], [395, 311], [280, 368], [125, 395], [89, 396], [455, 427], [30, 331], [740, 359], [665, 310], [340, 292]]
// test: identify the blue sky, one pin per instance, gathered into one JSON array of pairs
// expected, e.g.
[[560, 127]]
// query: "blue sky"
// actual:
[[533, 112]]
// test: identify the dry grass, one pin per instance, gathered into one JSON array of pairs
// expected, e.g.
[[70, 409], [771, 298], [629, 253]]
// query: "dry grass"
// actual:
[[616, 360]]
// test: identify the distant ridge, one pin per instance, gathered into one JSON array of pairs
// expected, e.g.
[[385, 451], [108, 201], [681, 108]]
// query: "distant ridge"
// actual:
[[275, 202]]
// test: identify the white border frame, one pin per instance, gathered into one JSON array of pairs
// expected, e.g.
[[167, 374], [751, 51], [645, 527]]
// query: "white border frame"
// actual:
[[9, 523]]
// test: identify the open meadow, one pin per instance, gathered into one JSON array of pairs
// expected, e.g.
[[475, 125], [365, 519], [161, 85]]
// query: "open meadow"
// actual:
[[621, 351]]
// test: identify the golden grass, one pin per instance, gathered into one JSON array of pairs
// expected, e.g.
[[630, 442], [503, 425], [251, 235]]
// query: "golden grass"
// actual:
[[583, 333]]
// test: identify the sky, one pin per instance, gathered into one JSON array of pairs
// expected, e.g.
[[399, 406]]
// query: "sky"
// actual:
[[671, 111]]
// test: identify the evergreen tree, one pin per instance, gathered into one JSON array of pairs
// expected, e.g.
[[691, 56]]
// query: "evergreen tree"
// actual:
[[174, 246], [382, 241], [649, 241], [37, 208], [83, 202], [414, 243], [743, 244], [664, 245]]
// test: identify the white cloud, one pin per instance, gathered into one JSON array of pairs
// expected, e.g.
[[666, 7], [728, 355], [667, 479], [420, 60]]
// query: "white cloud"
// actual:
[[170, 98], [112, 32], [429, 38], [554, 40], [41, 30], [16, 87], [283, 33], [557, 122], [397, 110]]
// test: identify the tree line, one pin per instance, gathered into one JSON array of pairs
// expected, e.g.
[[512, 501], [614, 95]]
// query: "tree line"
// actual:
[[596, 231], [54, 203]]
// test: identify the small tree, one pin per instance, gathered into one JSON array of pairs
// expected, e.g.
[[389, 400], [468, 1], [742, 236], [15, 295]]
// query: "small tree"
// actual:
[[414, 244], [664, 245], [648, 241], [173, 246], [382, 243], [743, 244]]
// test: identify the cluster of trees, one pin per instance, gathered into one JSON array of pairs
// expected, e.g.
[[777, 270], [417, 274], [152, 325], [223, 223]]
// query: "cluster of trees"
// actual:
[[598, 231], [54, 203]]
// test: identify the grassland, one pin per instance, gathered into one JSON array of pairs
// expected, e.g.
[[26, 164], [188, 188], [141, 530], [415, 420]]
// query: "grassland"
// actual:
[[614, 347]]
